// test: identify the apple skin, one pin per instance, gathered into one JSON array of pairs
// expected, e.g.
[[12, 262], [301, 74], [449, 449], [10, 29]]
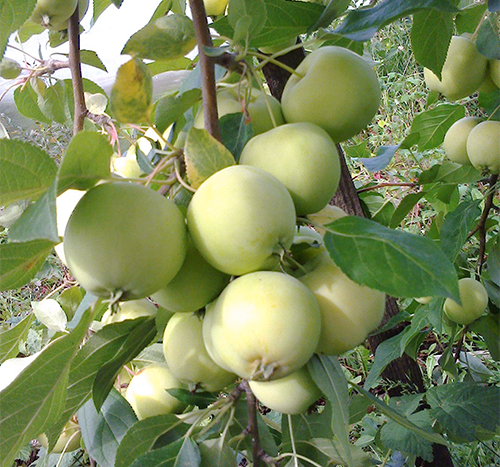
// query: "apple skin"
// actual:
[[187, 356], [215, 7], [349, 311], [228, 102], [124, 238], [455, 139], [129, 310], [49, 12], [303, 157], [196, 284], [241, 219], [264, 325], [126, 166], [292, 395], [474, 300], [83, 6], [147, 394], [325, 216], [71, 433], [463, 71], [494, 71], [339, 91], [483, 146]]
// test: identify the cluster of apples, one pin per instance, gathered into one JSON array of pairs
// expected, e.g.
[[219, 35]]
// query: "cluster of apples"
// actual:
[[253, 294]]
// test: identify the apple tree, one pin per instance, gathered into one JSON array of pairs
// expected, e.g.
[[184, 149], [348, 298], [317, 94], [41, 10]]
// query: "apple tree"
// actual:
[[230, 268]]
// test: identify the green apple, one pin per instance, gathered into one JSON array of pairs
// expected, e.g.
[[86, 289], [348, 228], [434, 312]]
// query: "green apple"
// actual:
[[215, 7], [307, 244], [68, 441], [264, 325], [9, 69], [126, 166], [196, 284], [187, 356], [335, 89], [349, 311], [474, 300], [129, 310], [325, 216], [463, 71], [483, 146], [494, 71], [83, 6], [455, 139], [423, 300], [292, 395], [241, 219], [147, 391], [303, 157], [229, 101], [50, 12], [124, 240]]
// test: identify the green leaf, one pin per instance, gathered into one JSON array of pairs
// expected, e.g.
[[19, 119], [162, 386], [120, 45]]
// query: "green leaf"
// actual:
[[166, 38], [329, 377], [336, 453], [399, 438], [25, 171], [88, 86], [87, 160], [247, 17], [89, 57], [468, 18], [19, 262], [103, 431], [171, 108], [340, 41], [162, 457], [381, 160], [200, 399], [143, 435], [489, 328], [204, 156], [70, 299], [52, 102], [235, 133], [13, 13], [361, 24], [10, 338], [488, 40], [216, 452], [160, 66], [433, 124], [26, 100], [43, 387], [449, 172], [138, 337], [461, 407], [414, 266], [456, 228], [431, 34], [404, 207], [332, 11], [39, 220], [490, 102]]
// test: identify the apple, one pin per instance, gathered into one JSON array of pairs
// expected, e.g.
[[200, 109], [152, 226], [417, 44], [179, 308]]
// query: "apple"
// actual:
[[126, 166], [50, 12], [335, 89], [196, 284], [303, 157], [349, 311], [124, 240], [129, 310], [325, 216], [264, 325], [483, 146], [455, 139], [215, 7], [9, 69], [187, 357], [68, 441], [494, 71], [241, 219], [83, 6], [474, 300], [423, 300], [229, 101], [292, 395], [307, 244], [147, 391], [463, 71]]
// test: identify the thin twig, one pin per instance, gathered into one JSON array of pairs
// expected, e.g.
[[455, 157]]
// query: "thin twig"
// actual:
[[252, 428], [381, 185]]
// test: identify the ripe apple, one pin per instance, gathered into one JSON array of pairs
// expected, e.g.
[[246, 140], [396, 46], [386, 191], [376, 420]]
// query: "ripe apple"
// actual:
[[126, 239], [230, 101], [303, 157], [494, 71], [455, 140], [325, 216], [129, 310], [474, 300], [463, 71], [336, 89], [293, 394], [483, 146], [49, 12], [147, 391], [196, 284], [9, 69], [264, 325], [187, 356], [215, 7], [241, 219], [68, 441], [349, 311]]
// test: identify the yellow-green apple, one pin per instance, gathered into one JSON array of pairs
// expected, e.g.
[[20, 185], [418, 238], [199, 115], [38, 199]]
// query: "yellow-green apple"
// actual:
[[483, 146], [455, 139], [474, 300]]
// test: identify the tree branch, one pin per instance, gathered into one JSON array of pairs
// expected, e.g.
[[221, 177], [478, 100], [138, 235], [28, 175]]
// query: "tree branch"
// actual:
[[482, 224], [252, 428]]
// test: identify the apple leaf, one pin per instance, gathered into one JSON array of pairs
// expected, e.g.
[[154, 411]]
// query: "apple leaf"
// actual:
[[488, 327], [11, 338], [247, 17], [86, 161], [26, 100], [381, 160], [490, 102], [50, 314], [19, 262], [13, 14], [431, 34], [449, 173], [461, 407], [235, 133], [468, 18], [166, 38], [170, 108], [103, 431], [25, 171], [88, 87], [414, 265], [163, 457], [336, 453], [332, 11], [53, 104], [217, 452], [404, 207], [143, 435], [199, 399], [488, 40], [204, 156]]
